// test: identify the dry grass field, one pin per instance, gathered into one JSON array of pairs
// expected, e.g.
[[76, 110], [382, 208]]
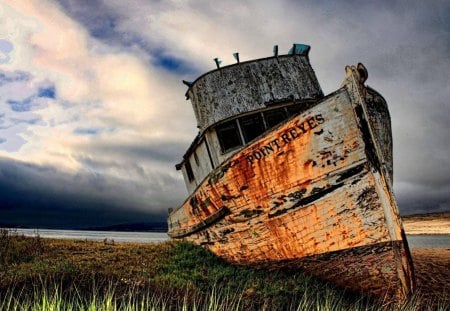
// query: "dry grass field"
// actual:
[[177, 275]]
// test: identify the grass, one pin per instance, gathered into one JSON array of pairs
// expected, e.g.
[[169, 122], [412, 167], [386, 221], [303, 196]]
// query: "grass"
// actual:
[[45, 274]]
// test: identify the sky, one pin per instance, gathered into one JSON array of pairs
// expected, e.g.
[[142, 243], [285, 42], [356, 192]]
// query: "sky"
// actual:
[[93, 115]]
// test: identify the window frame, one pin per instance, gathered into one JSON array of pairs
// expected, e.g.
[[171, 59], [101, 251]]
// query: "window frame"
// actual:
[[288, 111], [253, 116], [232, 125]]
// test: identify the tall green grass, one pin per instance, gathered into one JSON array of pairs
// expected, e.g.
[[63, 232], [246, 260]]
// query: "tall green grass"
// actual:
[[45, 298]]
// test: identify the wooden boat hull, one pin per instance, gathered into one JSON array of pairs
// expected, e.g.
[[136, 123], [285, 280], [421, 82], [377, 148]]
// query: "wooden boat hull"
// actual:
[[312, 194]]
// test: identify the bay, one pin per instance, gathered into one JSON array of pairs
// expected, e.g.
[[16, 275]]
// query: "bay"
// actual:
[[414, 241], [116, 236], [429, 241]]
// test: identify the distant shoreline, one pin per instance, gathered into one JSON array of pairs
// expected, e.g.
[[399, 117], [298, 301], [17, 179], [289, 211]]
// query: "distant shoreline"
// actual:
[[417, 224], [157, 227], [427, 224]]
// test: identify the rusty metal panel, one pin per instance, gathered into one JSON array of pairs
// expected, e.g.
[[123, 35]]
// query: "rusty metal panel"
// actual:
[[311, 193], [303, 149]]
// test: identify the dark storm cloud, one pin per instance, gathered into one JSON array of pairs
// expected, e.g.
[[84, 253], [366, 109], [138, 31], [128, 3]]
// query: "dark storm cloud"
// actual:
[[404, 44], [415, 199], [43, 196], [406, 47]]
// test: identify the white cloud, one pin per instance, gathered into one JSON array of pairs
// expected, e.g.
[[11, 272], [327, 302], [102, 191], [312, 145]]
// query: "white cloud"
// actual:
[[112, 90], [113, 96]]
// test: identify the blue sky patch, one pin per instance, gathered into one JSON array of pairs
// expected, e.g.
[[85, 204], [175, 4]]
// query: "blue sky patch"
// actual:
[[170, 63], [20, 106], [48, 92], [164, 60]]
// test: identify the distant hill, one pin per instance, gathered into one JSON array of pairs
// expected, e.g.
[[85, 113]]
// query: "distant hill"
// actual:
[[133, 227], [432, 223], [130, 227], [6, 225], [439, 215]]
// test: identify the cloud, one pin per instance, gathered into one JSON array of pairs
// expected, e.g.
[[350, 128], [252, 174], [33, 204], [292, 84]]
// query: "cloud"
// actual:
[[5, 48], [91, 97], [10, 77], [46, 196], [96, 89], [404, 46], [105, 22], [20, 106]]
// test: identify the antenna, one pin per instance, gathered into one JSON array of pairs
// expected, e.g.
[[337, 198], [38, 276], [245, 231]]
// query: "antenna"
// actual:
[[188, 83], [236, 56], [218, 61], [275, 50]]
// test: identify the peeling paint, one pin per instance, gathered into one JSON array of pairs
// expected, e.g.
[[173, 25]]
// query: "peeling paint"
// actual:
[[313, 193], [252, 85]]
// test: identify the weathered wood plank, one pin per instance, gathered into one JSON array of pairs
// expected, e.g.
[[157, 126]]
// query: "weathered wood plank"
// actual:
[[315, 187]]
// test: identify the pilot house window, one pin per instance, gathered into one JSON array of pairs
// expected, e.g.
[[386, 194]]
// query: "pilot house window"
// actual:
[[233, 133], [274, 117], [252, 126], [228, 134]]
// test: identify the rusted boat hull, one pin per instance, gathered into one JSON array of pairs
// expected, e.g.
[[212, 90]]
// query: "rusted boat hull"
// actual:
[[312, 193]]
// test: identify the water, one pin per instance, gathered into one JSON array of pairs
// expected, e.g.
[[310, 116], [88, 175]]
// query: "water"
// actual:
[[429, 240], [136, 237], [414, 241]]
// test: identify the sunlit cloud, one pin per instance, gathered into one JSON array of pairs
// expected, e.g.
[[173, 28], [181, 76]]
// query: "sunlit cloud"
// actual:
[[91, 98]]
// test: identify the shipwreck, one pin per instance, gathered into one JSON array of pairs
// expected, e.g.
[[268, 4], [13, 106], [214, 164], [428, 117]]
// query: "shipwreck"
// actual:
[[280, 175]]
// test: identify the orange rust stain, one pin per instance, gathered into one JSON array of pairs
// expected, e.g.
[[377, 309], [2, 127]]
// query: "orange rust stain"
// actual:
[[275, 184], [301, 164]]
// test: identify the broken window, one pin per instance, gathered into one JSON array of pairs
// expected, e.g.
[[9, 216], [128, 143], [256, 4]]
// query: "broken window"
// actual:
[[294, 109], [252, 126], [228, 134], [233, 133]]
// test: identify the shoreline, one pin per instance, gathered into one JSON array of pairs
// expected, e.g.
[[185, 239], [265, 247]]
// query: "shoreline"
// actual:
[[418, 224], [427, 224]]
